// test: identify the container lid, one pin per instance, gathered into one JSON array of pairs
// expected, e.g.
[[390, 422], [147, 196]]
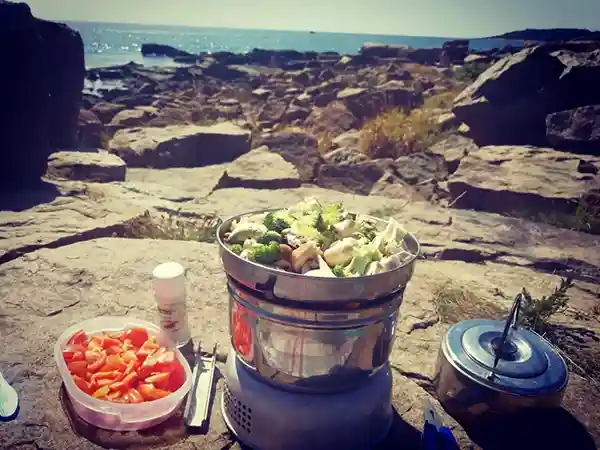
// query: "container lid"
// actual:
[[169, 280], [504, 357]]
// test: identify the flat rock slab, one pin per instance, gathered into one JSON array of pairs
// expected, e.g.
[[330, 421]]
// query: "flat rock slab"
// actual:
[[99, 166], [507, 179], [180, 145], [260, 169], [112, 276]]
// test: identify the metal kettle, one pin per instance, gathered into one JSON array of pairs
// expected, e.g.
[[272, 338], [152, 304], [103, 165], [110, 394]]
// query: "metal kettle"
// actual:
[[491, 367]]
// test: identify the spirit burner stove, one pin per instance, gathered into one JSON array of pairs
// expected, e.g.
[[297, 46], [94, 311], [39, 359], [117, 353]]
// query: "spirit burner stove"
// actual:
[[308, 368], [265, 417]]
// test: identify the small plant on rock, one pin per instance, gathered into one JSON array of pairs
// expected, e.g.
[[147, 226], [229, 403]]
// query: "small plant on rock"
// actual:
[[536, 312], [470, 72], [173, 226]]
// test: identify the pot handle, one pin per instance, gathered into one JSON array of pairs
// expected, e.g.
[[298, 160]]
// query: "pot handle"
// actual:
[[511, 324]]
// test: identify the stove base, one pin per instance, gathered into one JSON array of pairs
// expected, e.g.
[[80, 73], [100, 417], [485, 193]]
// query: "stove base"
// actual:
[[266, 418]]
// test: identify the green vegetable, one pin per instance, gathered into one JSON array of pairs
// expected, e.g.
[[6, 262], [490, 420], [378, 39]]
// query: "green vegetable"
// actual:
[[368, 230], [362, 257], [274, 223], [236, 248], [320, 223], [333, 213], [264, 253], [338, 270], [270, 236]]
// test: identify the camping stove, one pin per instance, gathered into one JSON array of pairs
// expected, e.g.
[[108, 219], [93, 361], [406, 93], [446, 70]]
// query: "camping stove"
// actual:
[[309, 365], [265, 417]]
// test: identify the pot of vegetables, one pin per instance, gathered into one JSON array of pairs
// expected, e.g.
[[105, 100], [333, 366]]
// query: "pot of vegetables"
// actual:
[[314, 292]]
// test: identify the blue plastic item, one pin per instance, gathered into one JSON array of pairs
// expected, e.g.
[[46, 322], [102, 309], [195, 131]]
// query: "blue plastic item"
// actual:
[[436, 436]]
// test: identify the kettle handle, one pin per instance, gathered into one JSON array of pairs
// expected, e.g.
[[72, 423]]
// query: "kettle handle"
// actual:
[[511, 324]]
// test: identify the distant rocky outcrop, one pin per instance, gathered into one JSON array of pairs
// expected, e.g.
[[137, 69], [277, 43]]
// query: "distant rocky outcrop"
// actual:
[[162, 50], [40, 92], [552, 34]]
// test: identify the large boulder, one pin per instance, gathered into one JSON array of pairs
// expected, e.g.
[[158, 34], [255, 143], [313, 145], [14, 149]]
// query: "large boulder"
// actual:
[[509, 102], [105, 111], [539, 183], [98, 166], [455, 51], [180, 145], [90, 133], [40, 91], [260, 169], [300, 149], [355, 178], [333, 119], [134, 117], [364, 103], [575, 130]]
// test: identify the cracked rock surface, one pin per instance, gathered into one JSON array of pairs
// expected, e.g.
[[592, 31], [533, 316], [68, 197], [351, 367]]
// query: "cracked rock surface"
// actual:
[[62, 262]]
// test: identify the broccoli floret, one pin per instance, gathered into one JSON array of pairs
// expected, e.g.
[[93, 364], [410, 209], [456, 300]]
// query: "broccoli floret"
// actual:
[[333, 213], [362, 257], [264, 253], [236, 248], [270, 236], [320, 223], [368, 230], [338, 270], [274, 223]]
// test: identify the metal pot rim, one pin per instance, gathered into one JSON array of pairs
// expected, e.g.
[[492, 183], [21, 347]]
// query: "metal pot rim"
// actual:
[[224, 227]]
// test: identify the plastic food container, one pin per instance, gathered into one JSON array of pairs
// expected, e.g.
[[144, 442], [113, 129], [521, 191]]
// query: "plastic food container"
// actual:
[[118, 416]]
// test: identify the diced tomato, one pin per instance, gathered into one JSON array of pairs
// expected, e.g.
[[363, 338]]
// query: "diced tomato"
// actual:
[[116, 335], [71, 350], [101, 392], [80, 338], [160, 380], [133, 396], [114, 350], [123, 367], [177, 376], [113, 362], [113, 376], [82, 384], [129, 356], [79, 368], [125, 384], [150, 392], [91, 356], [110, 342], [95, 366], [137, 336]]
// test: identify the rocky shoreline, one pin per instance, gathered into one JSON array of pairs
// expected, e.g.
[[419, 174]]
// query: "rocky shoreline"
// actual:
[[491, 159]]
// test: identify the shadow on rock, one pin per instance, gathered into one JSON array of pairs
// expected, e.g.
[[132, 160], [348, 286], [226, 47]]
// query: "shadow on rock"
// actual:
[[167, 433], [402, 435], [547, 429], [22, 199]]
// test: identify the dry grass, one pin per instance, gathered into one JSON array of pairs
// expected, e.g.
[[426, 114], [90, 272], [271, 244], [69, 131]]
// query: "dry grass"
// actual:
[[174, 226], [395, 132], [455, 304]]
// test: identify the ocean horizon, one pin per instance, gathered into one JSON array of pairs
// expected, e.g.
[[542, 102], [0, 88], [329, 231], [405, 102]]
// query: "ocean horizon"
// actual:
[[108, 44]]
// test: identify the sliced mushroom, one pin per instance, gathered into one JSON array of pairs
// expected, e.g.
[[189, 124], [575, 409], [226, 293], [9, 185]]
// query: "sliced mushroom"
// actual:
[[302, 254]]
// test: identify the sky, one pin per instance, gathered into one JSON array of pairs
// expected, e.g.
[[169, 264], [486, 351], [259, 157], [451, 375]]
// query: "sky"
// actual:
[[456, 18]]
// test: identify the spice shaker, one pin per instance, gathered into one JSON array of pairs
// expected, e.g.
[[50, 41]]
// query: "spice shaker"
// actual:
[[169, 291]]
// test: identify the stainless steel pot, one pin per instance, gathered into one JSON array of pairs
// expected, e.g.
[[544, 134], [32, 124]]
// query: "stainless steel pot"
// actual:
[[279, 284], [492, 368], [312, 334]]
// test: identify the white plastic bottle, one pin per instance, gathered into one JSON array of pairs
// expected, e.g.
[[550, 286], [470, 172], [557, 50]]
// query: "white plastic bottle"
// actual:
[[169, 291]]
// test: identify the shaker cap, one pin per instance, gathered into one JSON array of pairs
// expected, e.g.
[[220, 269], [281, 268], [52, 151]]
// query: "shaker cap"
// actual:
[[503, 357], [169, 280]]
